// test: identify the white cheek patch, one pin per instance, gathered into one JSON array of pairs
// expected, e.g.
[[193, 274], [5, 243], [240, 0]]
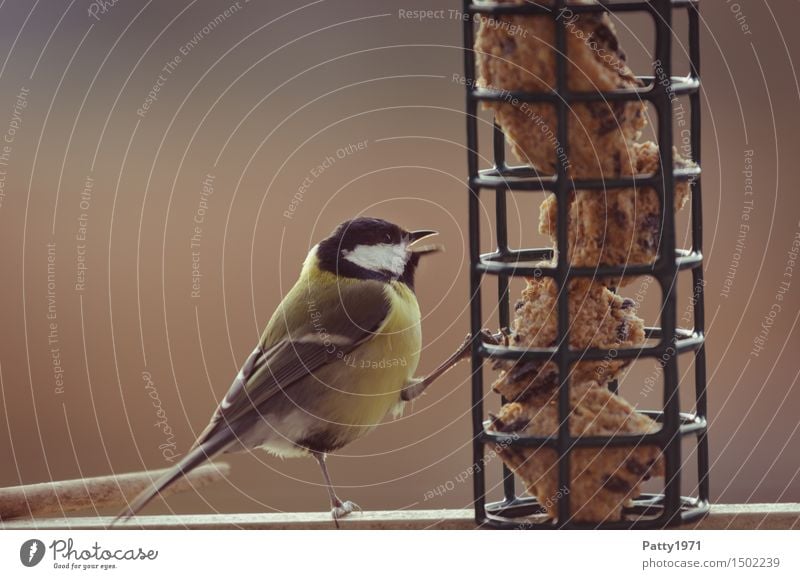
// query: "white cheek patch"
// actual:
[[388, 257]]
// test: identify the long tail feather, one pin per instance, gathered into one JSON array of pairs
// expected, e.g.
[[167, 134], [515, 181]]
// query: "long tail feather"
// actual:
[[197, 456]]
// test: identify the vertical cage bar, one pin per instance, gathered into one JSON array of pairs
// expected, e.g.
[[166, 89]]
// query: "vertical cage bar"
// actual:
[[498, 145], [562, 267], [698, 282], [479, 481], [501, 213], [668, 271]]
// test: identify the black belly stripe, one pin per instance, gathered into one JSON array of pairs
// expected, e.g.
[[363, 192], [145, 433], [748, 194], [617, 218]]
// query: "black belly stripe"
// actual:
[[320, 441]]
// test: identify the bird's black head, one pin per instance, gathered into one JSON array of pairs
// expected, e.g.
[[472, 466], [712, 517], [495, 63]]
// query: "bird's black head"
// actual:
[[370, 248]]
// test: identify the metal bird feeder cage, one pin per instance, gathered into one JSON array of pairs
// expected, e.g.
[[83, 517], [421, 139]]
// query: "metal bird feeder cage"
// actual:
[[668, 508]]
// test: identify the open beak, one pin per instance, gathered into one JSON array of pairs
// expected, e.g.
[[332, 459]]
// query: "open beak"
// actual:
[[416, 236]]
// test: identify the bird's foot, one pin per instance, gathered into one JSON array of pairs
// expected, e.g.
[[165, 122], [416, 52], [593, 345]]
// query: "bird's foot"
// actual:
[[342, 509]]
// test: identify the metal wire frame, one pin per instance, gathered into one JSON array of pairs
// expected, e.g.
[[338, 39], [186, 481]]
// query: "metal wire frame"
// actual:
[[650, 510]]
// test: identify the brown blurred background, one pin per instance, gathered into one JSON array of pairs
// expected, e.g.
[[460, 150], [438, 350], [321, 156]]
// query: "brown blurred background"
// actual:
[[92, 179]]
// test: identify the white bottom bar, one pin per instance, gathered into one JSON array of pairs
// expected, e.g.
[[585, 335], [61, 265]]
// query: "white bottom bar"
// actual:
[[345, 553]]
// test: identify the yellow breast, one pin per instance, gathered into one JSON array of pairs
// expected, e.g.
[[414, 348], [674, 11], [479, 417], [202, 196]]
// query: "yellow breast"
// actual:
[[402, 327], [377, 370]]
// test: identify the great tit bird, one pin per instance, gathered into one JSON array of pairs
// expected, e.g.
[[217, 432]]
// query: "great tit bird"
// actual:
[[337, 356]]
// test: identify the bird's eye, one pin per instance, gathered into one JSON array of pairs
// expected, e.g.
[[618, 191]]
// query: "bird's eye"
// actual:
[[389, 237]]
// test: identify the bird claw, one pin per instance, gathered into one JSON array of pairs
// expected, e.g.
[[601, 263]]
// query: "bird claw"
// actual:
[[343, 509], [500, 337], [486, 336]]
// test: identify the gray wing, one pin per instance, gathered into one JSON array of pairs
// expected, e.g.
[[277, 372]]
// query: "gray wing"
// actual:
[[339, 321]]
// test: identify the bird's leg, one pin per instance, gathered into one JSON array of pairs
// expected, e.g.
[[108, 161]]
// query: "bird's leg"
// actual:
[[419, 385], [339, 508]]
